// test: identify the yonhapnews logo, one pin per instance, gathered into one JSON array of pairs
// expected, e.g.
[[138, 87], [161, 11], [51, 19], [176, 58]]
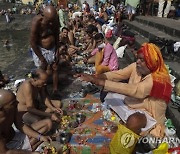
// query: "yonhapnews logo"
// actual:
[[127, 140]]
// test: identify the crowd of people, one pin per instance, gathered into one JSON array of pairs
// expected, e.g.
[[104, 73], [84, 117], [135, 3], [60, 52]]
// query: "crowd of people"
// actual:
[[144, 85], [120, 9], [162, 8], [10, 12]]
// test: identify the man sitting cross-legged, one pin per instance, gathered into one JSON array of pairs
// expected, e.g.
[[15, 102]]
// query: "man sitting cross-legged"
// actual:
[[32, 96], [14, 141], [63, 37]]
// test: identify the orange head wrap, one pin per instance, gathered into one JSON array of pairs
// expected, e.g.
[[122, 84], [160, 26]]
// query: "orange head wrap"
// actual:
[[161, 80]]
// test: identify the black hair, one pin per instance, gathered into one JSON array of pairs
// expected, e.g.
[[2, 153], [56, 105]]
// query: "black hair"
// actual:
[[99, 36], [65, 29], [91, 28], [34, 75], [91, 17], [109, 3]]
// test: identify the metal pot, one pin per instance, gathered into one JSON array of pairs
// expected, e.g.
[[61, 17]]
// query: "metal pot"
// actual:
[[65, 137], [80, 118]]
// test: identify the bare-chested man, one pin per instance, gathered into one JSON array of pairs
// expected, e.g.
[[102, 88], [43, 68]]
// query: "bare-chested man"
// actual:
[[44, 41], [34, 103], [12, 139], [63, 37]]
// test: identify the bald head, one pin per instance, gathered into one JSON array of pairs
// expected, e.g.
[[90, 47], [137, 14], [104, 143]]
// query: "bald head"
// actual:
[[6, 96], [50, 12]]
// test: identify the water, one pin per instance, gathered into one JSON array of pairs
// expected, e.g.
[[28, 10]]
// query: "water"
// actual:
[[18, 41], [15, 59]]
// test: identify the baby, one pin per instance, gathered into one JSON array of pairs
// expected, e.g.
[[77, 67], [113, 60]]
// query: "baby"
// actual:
[[136, 122]]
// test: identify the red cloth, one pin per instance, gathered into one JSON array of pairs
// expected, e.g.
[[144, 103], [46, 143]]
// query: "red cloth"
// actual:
[[109, 33], [161, 80]]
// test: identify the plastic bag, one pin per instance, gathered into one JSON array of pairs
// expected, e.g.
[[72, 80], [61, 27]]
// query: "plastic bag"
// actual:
[[120, 51], [162, 149]]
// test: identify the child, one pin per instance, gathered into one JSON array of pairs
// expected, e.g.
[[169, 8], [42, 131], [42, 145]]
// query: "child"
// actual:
[[133, 122], [126, 137]]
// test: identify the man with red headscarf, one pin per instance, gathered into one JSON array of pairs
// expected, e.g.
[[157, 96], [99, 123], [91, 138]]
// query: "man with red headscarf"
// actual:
[[148, 88]]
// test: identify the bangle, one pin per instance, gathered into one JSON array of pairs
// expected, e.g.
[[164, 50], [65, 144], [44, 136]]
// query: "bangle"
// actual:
[[39, 136]]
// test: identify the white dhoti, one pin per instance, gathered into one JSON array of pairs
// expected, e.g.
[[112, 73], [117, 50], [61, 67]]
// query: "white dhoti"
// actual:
[[49, 55], [20, 141]]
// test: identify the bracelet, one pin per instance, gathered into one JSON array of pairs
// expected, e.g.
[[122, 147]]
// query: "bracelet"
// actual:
[[39, 136]]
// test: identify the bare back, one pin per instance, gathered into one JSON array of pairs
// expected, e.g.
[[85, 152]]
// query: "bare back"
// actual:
[[26, 96]]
